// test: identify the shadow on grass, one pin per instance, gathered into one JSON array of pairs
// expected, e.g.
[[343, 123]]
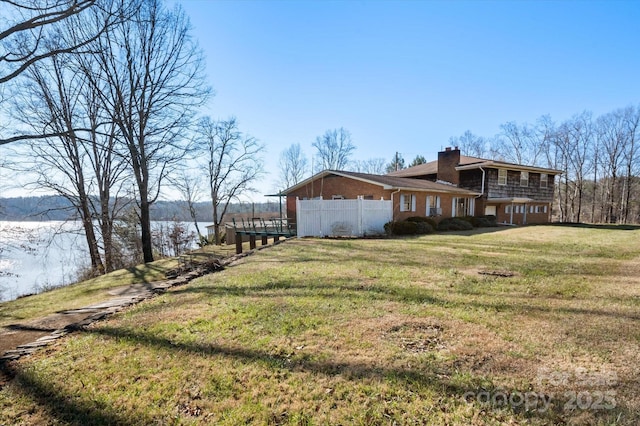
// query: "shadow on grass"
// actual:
[[610, 226], [554, 409], [63, 408], [143, 273], [344, 288]]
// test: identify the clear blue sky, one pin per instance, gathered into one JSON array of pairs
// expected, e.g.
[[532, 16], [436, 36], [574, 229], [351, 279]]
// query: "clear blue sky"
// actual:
[[408, 75]]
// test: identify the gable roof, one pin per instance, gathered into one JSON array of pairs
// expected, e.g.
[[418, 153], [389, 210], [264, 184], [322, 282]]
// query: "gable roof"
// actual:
[[469, 163], [388, 182]]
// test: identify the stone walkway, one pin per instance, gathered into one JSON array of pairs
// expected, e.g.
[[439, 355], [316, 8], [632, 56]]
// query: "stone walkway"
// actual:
[[28, 337]]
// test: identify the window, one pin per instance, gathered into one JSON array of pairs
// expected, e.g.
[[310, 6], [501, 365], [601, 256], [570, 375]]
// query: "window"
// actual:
[[507, 209], [407, 203], [337, 197], [462, 207], [531, 209], [524, 178], [543, 180], [502, 176], [368, 197], [545, 209], [433, 205]]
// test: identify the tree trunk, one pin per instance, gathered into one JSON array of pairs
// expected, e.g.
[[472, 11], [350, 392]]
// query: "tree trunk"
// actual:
[[145, 226]]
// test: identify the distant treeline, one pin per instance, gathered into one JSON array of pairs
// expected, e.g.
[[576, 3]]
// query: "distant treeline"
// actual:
[[59, 208]]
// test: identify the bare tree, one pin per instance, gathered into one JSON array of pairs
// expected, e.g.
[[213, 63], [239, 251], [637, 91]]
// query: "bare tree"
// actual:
[[189, 185], [470, 144], [577, 138], [293, 166], [151, 70], [234, 164], [79, 165], [630, 155], [517, 143], [373, 166], [50, 103], [334, 149], [612, 138]]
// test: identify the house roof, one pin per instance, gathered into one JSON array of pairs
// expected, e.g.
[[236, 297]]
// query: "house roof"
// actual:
[[388, 182], [468, 163]]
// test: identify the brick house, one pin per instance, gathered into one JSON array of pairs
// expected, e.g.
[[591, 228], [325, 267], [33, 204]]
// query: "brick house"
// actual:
[[409, 196], [453, 185], [514, 193]]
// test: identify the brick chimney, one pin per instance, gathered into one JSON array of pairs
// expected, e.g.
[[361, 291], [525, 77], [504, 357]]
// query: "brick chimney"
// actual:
[[448, 160]]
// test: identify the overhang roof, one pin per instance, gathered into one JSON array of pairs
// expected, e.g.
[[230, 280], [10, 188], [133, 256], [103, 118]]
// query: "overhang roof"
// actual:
[[517, 200], [388, 182], [469, 163], [495, 164]]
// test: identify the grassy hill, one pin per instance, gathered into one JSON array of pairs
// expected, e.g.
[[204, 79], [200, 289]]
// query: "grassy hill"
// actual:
[[535, 325]]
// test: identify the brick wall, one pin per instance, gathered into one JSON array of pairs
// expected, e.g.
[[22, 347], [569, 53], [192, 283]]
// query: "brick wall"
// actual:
[[332, 185], [519, 216], [350, 189]]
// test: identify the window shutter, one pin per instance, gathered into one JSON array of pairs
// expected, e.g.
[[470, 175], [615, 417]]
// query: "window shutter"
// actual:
[[413, 202], [401, 202]]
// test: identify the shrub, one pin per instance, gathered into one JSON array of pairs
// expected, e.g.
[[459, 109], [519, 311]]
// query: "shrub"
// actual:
[[401, 228], [454, 224], [423, 228], [485, 221], [422, 219]]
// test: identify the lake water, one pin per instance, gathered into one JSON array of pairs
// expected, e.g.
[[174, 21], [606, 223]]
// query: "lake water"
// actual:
[[39, 255]]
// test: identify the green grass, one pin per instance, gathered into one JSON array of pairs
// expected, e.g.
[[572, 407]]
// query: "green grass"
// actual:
[[95, 290], [363, 332]]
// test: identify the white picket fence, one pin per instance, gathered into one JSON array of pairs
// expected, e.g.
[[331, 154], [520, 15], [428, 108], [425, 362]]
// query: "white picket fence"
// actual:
[[340, 218]]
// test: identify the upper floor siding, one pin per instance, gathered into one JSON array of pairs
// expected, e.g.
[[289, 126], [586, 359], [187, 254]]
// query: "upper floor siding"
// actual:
[[472, 179]]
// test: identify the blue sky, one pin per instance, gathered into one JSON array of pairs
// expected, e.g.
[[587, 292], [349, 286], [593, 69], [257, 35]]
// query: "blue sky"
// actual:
[[407, 75]]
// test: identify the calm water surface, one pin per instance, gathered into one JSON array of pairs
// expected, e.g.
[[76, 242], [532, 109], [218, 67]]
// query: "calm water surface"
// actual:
[[39, 255]]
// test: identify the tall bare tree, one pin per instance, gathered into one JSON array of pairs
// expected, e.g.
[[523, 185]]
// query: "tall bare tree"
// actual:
[[334, 149], [80, 164], [152, 72], [612, 138], [293, 166], [234, 164], [631, 158], [51, 104]]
